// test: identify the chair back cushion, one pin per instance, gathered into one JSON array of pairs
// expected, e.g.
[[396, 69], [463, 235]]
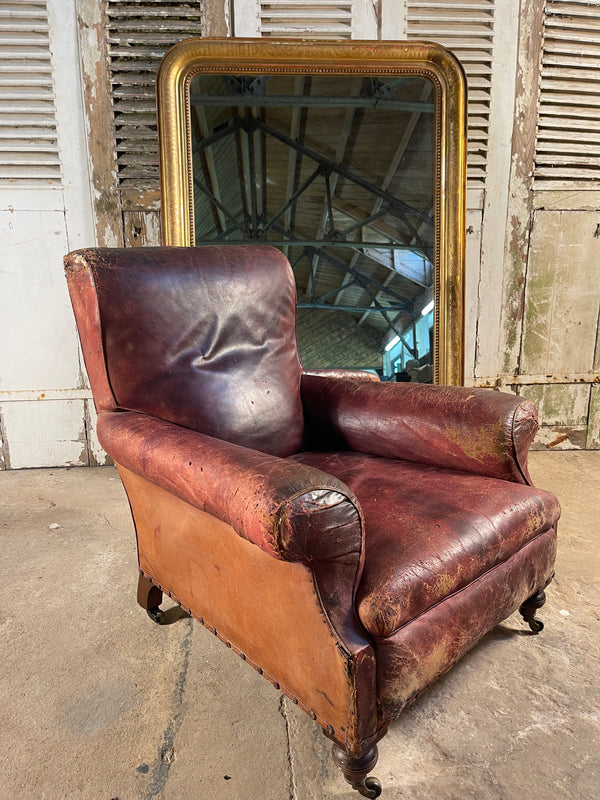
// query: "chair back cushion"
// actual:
[[204, 337]]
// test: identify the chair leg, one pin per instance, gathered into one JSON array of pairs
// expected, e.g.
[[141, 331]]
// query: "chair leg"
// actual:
[[355, 770], [150, 597], [528, 609]]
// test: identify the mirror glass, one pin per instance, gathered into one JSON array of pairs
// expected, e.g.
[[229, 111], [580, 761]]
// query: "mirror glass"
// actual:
[[338, 172], [350, 159]]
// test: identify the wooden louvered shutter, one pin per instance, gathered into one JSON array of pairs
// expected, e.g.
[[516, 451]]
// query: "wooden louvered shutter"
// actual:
[[139, 34], [466, 28], [314, 19], [29, 155], [568, 135]]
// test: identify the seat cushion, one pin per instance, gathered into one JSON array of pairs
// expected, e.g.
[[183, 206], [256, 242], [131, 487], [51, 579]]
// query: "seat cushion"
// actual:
[[429, 532]]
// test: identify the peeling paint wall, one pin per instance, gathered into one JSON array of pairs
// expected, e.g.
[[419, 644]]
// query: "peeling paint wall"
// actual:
[[549, 349], [43, 389]]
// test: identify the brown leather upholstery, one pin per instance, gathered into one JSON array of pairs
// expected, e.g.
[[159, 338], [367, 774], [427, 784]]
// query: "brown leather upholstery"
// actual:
[[350, 539]]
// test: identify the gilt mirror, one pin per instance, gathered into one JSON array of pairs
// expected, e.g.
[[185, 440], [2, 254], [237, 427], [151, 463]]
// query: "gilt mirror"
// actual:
[[350, 158]]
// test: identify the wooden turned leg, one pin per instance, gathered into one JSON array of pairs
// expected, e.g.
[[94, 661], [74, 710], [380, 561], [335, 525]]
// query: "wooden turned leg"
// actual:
[[355, 770], [529, 608], [150, 597]]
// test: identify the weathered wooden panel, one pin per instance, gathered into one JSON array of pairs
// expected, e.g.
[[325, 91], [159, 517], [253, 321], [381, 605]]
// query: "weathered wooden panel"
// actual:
[[91, 20], [560, 404], [96, 455], [593, 438], [472, 275], [141, 228], [45, 433], [39, 343], [520, 197], [562, 297], [596, 367], [568, 137], [3, 451], [563, 410], [29, 154], [581, 200]]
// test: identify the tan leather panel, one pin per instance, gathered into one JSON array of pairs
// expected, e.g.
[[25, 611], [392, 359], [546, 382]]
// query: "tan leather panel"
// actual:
[[266, 608]]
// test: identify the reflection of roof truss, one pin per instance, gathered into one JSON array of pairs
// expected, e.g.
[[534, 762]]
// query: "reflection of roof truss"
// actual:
[[254, 226], [384, 230]]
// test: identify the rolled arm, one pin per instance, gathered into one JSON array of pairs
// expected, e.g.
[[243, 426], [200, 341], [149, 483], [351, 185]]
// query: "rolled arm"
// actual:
[[474, 430], [292, 511]]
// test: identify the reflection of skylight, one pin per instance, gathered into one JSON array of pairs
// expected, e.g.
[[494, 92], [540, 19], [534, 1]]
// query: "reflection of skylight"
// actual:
[[428, 308], [392, 343], [414, 266]]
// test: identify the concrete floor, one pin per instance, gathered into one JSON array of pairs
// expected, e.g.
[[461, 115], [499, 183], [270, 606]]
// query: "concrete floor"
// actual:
[[97, 702]]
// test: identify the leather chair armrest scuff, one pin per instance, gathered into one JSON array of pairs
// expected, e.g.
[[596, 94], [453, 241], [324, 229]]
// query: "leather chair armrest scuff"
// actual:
[[291, 511]]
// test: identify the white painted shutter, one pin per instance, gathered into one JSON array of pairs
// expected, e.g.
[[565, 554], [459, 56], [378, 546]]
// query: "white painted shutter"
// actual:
[[29, 155], [467, 28], [139, 34], [313, 19], [568, 135]]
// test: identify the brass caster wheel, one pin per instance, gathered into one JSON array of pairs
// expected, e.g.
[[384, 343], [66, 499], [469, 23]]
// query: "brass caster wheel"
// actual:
[[370, 787], [156, 614]]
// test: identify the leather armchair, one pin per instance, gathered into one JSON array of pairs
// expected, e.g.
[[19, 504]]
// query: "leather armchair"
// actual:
[[349, 539]]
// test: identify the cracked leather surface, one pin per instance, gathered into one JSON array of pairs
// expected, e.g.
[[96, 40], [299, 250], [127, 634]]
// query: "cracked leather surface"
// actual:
[[476, 430], [429, 531], [291, 511], [413, 513]]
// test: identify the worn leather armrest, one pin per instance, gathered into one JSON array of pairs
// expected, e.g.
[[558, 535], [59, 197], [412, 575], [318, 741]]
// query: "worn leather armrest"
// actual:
[[474, 430], [292, 511]]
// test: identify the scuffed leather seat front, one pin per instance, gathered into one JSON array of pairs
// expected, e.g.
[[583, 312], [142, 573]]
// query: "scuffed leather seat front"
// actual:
[[431, 531], [350, 539]]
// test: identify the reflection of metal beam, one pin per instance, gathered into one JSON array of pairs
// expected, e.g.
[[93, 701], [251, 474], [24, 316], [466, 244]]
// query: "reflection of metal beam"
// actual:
[[395, 162], [332, 177], [310, 101], [210, 163], [261, 166], [356, 213], [290, 202], [350, 309], [387, 258], [219, 206], [397, 206], [233, 125], [297, 122], [364, 281], [248, 168], [287, 239]]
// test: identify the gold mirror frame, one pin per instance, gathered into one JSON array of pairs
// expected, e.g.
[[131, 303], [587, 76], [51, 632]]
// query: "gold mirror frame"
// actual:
[[268, 56]]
